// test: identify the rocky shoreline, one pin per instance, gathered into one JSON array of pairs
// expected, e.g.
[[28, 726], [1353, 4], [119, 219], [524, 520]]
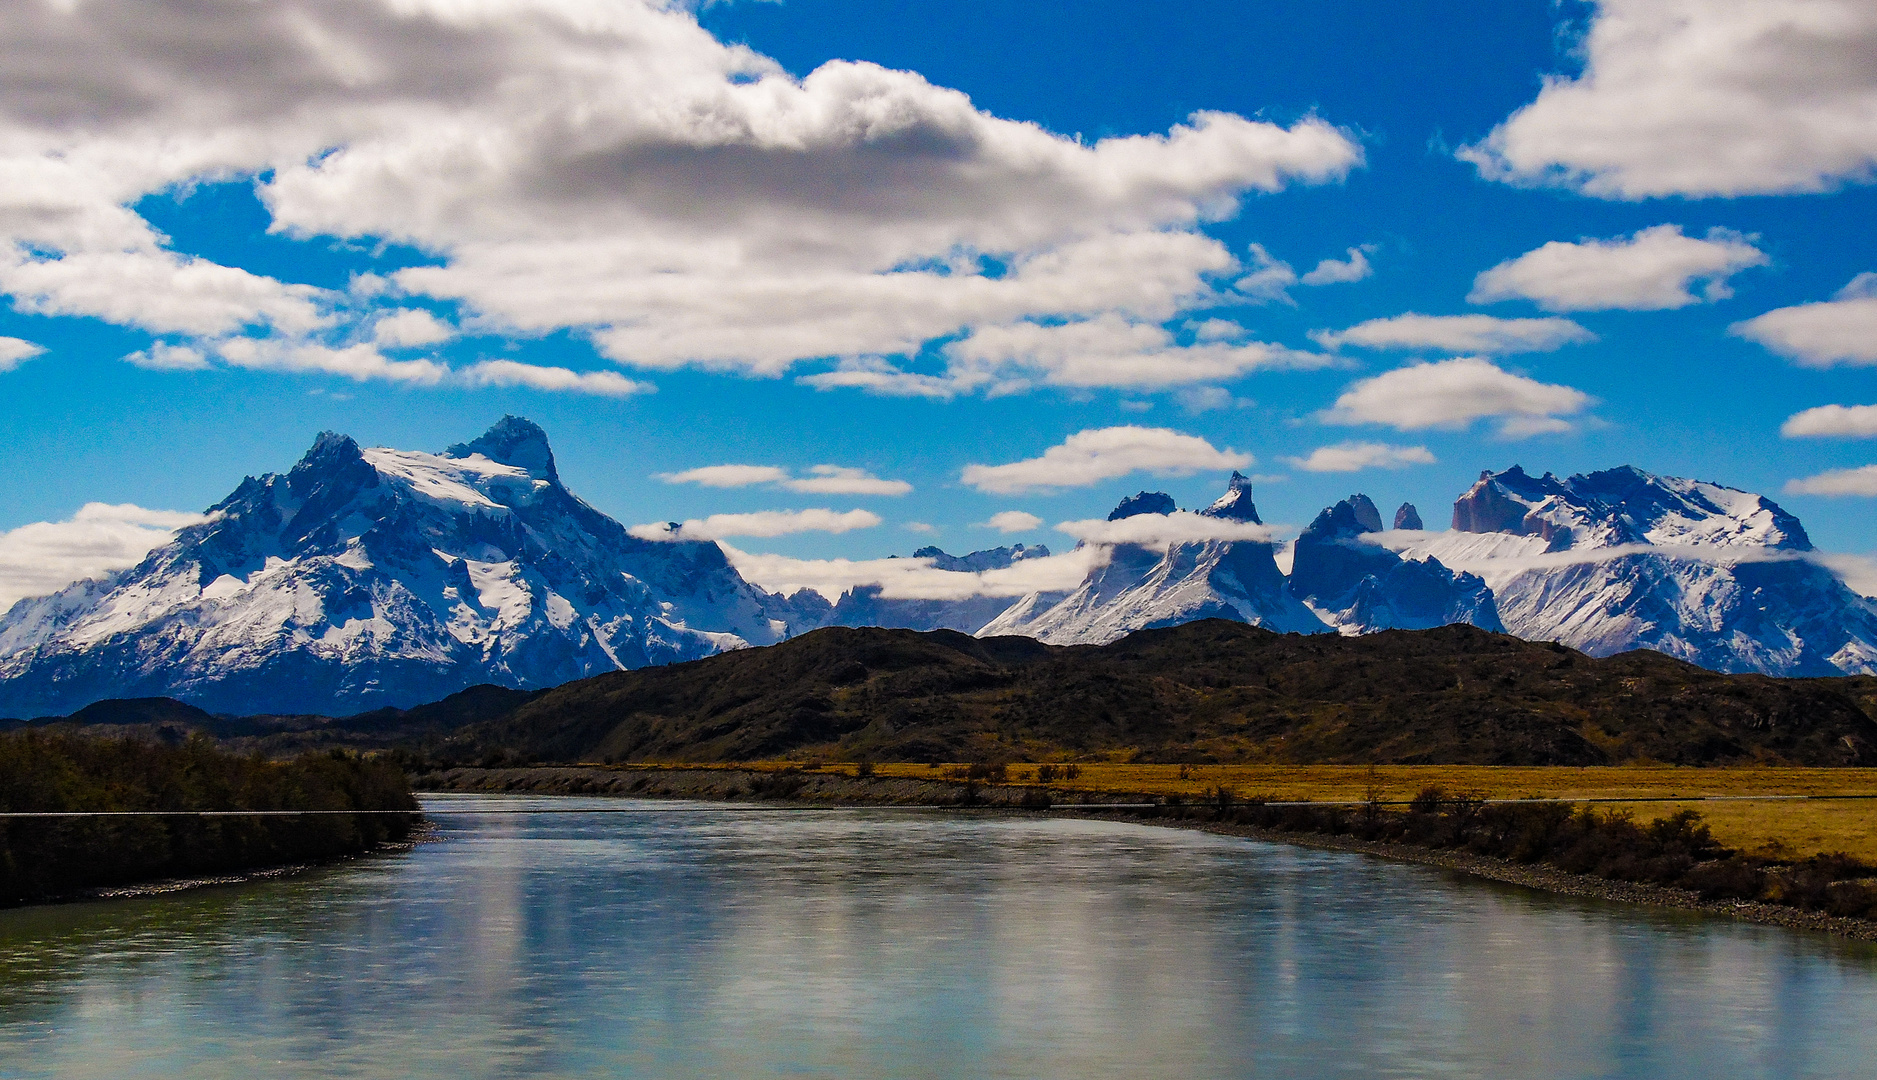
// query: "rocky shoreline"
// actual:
[[818, 788]]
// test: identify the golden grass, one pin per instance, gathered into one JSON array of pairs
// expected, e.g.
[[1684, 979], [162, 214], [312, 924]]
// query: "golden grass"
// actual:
[[1805, 827]]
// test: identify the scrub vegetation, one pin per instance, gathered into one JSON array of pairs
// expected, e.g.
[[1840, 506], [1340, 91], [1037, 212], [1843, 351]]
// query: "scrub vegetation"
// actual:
[[1205, 692], [43, 858], [1676, 851]]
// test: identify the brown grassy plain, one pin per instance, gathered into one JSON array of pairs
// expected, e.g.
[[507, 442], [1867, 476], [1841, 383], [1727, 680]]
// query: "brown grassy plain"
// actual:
[[1803, 826]]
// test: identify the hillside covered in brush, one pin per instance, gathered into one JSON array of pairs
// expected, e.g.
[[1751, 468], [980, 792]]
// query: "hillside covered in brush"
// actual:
[[1205, 691]]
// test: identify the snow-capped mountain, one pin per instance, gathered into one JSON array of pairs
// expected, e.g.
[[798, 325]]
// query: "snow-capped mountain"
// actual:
[[1141, 587], [1360, 587], [864, 606], [368, 577], [1623, 559]]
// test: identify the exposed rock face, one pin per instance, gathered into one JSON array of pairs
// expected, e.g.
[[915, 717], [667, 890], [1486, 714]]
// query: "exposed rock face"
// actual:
[[1407, 517], [1141, 587], [988, 559], [1365, 514], [1623, 559], [1147, 502], [1234, 505], [371, 577], [1361, 587]]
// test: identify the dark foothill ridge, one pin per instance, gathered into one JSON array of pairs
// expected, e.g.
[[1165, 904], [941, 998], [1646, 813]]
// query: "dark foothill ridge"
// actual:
[[1207, 690]]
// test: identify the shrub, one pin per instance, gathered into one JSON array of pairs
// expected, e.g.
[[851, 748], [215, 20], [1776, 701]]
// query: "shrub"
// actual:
[[45, 857]]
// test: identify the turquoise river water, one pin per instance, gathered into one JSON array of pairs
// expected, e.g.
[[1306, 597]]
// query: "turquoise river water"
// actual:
[[902, 943]]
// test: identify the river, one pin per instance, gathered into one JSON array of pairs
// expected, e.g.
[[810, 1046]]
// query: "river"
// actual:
[[904, 943]]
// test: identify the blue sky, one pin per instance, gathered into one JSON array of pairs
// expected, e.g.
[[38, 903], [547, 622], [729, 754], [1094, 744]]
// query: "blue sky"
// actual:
[[573, 246]]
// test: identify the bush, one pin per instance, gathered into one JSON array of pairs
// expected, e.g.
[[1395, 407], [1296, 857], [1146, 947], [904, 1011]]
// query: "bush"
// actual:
[[47, 857], [1677, 851]]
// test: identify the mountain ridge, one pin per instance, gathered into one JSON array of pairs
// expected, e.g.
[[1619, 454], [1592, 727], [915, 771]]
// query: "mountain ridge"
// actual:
[[371, 577], [1210, 690]]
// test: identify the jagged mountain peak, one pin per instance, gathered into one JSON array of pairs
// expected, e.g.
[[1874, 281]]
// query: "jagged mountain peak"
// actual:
[[516, 441], [1366, 514], [1358, 586], [988, 559], [380, 576], [1235, 504], [1146, 502], [1350, 517], [1407, 517], [1624, 505], [1139, 587]]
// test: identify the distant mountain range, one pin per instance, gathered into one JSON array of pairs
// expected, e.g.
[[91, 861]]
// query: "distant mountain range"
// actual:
[[372, 578]]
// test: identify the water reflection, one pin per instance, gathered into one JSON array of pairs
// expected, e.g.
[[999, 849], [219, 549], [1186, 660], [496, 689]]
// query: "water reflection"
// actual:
[[899, 943]]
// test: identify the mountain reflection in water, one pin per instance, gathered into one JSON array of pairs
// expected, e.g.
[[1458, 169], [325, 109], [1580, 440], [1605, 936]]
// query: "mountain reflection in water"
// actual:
[[906, 943]]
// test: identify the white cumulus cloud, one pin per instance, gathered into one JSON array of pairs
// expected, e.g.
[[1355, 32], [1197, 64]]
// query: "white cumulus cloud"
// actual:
[[1012, 521], [1091, 456], [166, 357], [1842, 330], [1454, 393], [1457, 334], [1859, 481], [1356, 456], [1107, 350], [358, 362], [46, 556], [1354, 267], [1703, 98], [727, 476], [1827, 421], [16, 351], [542, 377], [410, 327], [610, 169], [760, 523], [1650, 270]]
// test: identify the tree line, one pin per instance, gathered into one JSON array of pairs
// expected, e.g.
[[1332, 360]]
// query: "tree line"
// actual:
[[40, 771]]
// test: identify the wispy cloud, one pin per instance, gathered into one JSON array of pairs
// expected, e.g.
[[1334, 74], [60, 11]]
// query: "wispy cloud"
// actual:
[[1091, 456], [1160, 531], [821, 479], [1457, 334], [1356, 456], [16, 351]]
